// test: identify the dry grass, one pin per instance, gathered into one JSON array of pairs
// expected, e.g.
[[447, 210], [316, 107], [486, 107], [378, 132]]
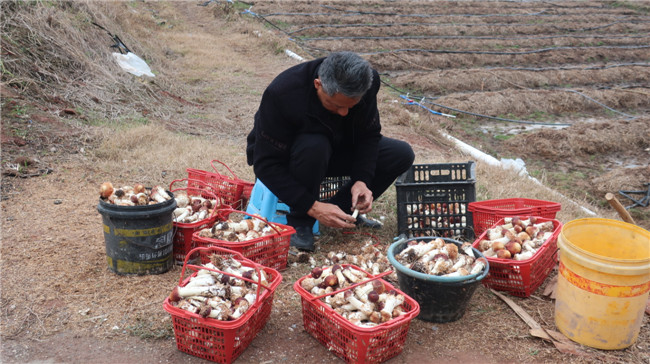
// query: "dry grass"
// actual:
[[144, 152]]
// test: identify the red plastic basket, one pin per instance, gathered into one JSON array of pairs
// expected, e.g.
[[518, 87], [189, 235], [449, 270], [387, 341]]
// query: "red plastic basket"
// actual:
[[222, 341], [486, 213], [348, 341], [271, 250], [182, 241], [233, 191], [522, 277]]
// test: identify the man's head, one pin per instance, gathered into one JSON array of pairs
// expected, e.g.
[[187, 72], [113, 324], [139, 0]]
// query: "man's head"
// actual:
[[343, 78]]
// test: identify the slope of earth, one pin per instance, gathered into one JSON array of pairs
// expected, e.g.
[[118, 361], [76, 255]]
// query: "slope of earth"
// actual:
[[60, 303]]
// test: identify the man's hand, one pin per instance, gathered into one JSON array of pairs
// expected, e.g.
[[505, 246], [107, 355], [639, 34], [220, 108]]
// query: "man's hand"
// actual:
[[331, 215], [361, 197]]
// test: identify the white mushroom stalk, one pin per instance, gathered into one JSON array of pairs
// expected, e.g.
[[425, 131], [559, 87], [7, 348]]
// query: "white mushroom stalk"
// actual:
[[238, 231], [360, 301], [191, 209], [371, 259], [393, 299], [440, 259], [225, 290]]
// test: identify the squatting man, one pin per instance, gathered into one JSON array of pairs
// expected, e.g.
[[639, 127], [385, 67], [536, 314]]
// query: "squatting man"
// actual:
[[319, 119]]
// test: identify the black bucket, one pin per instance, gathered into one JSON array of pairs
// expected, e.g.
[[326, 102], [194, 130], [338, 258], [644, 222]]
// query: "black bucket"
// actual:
[[441, 299], [139, 239]]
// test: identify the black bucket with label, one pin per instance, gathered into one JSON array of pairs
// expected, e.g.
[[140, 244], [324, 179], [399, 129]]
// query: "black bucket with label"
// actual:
[[139, 239], [441, 299]]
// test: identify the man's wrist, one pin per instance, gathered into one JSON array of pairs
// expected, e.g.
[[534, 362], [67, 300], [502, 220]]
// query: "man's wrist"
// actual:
[[312, 210]]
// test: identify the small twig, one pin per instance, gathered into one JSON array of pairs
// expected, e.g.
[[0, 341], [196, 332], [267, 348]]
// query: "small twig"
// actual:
[[411, 63], [512, 83], [541, 317], [95, 318]]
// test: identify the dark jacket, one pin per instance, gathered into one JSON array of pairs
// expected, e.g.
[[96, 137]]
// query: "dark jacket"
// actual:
[[289, 107]]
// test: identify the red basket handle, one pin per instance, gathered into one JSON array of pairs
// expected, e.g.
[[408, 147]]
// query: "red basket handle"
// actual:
[[224, 250], [370, 279], [223, 164], [202, 184], [269, 223]]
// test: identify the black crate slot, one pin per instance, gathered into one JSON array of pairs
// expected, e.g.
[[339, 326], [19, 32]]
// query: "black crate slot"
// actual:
[[432, 200], [331, 186]]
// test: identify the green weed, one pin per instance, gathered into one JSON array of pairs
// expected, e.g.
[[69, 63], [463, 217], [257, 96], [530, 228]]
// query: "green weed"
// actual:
[[18, 111], [121, 122], [503, 136], [539, 115]]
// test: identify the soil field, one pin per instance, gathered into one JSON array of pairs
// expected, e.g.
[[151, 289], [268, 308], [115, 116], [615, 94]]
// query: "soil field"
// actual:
[[527, 66], [561, 85]]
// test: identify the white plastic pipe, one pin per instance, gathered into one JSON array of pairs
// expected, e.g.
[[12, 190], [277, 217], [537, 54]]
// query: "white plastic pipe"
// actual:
[[495, 162], [293, 55]]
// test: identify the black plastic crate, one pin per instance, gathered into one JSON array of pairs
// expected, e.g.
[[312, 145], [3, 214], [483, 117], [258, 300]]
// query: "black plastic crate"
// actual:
[[330, 186], [432, 200]]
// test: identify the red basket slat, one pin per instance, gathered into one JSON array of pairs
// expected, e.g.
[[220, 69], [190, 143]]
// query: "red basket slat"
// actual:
[[352, 343], [182, 241], [229, 191], [222, 341], [270, 250], [486, 213], [522, 277]]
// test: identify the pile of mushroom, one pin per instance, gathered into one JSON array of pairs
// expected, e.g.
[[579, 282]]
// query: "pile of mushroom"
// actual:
[[136, 195], [246, 229], [223, 297], [430, 216], [366, 305], [190, 209], [371, 259], [517, 238], [435, 257]]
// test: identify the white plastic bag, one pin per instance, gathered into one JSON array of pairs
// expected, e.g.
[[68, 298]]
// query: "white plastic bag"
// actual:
[[133, 64]]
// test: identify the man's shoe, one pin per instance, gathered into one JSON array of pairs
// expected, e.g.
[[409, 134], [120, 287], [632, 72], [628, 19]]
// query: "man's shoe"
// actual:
[[363, 221], [303, 239]]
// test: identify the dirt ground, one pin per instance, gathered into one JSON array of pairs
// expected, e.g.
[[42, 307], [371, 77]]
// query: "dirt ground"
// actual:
[[61, 303]]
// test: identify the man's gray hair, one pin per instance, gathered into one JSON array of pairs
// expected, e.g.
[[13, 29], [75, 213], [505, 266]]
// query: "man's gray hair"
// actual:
[[346, 73]]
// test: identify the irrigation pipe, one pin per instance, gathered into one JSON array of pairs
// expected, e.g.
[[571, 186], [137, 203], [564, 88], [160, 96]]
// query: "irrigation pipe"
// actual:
[[410, 101], [542, 13], [568, 68], [443, 51], [464, 25], [541, 50], [471, 37], [601, 104], [497, 118], [255, 15], [424, 99]]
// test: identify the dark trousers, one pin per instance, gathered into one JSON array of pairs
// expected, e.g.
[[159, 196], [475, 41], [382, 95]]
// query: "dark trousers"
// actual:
[[313, 158]]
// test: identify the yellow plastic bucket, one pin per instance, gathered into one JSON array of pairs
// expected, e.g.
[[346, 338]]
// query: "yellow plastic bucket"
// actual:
[[603, 282]]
